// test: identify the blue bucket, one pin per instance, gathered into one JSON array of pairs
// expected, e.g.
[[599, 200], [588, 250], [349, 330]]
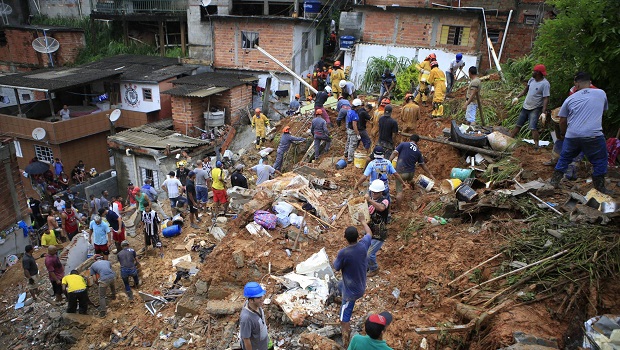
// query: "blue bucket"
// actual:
[[341, 164], [346, 41], [171, 231], [461, 174]]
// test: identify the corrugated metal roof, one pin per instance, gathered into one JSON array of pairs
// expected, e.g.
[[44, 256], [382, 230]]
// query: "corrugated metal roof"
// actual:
[[208, 79], [143, 69], [55, 79], [194, 91], [156, 136]]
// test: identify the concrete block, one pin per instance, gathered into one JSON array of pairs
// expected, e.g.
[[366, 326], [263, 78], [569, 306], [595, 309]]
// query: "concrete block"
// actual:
[[202, 287], [223, 307], [79, 319], [545, 191], [238, 258]]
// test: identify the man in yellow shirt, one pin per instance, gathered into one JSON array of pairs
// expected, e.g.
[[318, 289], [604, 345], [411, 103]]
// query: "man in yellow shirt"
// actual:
[[48, 238], [75, 287], [260, 122], [424, 68], [219, 189], [336, 76], [409, 114], [437, 78]]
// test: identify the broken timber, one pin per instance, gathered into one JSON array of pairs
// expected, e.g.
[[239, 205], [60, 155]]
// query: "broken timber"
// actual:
[[460, 146]]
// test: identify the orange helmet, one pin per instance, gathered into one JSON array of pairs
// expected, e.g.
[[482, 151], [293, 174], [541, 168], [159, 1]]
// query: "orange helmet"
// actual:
[[408, 96], [309, 98], [434, 64], [385, 102], [318, 112], [286, 129], [337, 64], [432, 56], [329, 71], [297, 96]]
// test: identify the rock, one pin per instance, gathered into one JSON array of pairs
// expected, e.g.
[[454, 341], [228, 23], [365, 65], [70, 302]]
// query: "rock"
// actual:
[[54, 315], [201, 287], [70, 336], [223, 307], [238, 258], [188, 306], [315, 341], [79, 319], [584, 213], [545, 191]]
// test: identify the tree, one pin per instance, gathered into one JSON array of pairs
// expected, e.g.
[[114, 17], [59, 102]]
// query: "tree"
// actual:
[[585, 36]]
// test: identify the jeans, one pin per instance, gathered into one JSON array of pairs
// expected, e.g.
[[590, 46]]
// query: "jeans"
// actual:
[[449, 81], [173, 202], [470, 114], [594, 149], [202, 194], [375, 246], [77, 298], [103, 288], [531, 116], [279, 158], [365, 139], [125, 274], [317, 145], [349, 149], [159, 209]]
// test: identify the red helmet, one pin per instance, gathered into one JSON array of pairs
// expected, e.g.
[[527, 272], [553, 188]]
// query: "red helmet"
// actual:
[[434, 64], [385, 102], [318, 112], [432, 56], [408, 96], [337, 64]]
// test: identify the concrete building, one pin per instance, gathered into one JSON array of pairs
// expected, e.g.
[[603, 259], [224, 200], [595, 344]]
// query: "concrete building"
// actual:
[[414, 28]]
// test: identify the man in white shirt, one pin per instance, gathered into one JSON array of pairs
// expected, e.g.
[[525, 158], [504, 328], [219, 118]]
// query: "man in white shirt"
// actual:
[[172, 186], [59, 204], [456, 66], [64, 113]]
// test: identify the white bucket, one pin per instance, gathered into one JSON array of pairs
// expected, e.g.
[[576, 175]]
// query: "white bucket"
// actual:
[[501, 142], [425, 182]]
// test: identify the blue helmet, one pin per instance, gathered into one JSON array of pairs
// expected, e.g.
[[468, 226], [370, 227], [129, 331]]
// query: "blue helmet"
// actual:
[[218, 164], [253, 290], [459, 56]]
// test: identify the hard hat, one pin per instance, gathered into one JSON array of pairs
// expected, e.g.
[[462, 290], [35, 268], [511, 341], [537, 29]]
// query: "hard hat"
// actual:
[[329, 71], [286, 129], [408, 96], [257, 110], [318, 112], [385, 101], [357, 102], [342, 83], [297, 96], [377, 186], [434, 64], [337, 64], [218, 164], [253, 290], [432, 56], [459, 57], [328, 89]]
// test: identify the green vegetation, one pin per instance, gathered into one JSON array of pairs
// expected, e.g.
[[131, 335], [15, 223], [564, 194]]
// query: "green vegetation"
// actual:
[[107, 41], [585, 36], [402, 67]]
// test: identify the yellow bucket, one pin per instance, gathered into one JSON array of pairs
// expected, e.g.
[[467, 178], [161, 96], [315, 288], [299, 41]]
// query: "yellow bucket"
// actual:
[[449, 185], [360, 159]]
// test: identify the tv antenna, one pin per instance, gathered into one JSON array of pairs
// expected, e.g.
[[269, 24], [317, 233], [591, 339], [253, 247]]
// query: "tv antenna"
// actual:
[[5, 11], [38, 134], [113, 118], [205, 3], [45, 44]]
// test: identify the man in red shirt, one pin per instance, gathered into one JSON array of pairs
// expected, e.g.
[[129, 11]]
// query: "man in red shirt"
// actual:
[[55, 270], [131, 197]]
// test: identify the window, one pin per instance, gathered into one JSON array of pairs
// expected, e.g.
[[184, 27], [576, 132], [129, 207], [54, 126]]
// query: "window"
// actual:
[[304, 40], [18, 149], [25, 97], [44, 154], [249, 40], [530, 19], [494, 35], [150, 174], [453, 35], [147, 95], [317, 39]]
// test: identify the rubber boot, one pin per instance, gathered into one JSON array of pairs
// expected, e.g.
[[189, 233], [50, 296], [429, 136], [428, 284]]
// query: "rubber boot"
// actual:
[[599, 185], [556, 178]]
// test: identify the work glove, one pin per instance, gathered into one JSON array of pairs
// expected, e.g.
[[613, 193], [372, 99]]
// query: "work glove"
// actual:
[[542, 118], [515, 101], [359, 137]]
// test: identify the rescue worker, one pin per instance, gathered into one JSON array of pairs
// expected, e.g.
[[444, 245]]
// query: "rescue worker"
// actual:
[[319, 101], [374, 121], [348, 89], [353, 134], [437, 79], [315, 81], [378, 207], [342, 107], [409, 114], [409, 156], [336, 76], [320, 133], [259, 122], [424, 68], [285, 143], [388, 82], [456, 67], [293, 107], [308, 79]]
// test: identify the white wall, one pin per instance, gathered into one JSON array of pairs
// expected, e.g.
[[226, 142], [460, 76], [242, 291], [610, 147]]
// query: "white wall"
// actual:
[[132, 97], [365, 51], [10, 94]]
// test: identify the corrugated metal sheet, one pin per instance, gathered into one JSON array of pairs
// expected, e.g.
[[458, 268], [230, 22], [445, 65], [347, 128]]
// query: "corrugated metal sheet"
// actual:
[[194, 91], [156, 136]]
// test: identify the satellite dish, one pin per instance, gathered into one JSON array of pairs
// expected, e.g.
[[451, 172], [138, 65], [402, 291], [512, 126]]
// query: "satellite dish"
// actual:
[[38, 134], [5, 9], [115, 115], [205, 3], [45, 44]]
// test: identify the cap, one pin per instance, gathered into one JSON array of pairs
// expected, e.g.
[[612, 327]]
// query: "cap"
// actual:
[[218, 164], [171, 173], [378, 152], [388, 109], [191, 173], [147, 180], [357, 102], [124, 243], [286, 129], [541, 69], [136, 190], [384, 318]]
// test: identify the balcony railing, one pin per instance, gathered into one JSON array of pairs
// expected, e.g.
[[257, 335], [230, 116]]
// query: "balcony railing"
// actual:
[[138, 6]]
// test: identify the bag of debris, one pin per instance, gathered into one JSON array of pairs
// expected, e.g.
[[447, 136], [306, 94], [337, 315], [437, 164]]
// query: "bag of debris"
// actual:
[[283, 220], [283, 208], [265, 219]]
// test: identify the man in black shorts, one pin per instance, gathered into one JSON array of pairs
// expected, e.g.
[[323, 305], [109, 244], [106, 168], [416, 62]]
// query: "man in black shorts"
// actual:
[[190, 188], [151, 228]]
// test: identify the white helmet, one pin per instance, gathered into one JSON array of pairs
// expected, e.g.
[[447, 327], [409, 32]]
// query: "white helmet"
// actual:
[[342, 83], [328, 89], [376, 186], [357, 102]]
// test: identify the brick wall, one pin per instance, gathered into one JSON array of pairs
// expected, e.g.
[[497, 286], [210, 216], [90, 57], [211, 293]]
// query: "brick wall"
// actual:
[[276, 37], [18, 54], [187, 112], [8, 216], [235, 100], [501, 5]]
